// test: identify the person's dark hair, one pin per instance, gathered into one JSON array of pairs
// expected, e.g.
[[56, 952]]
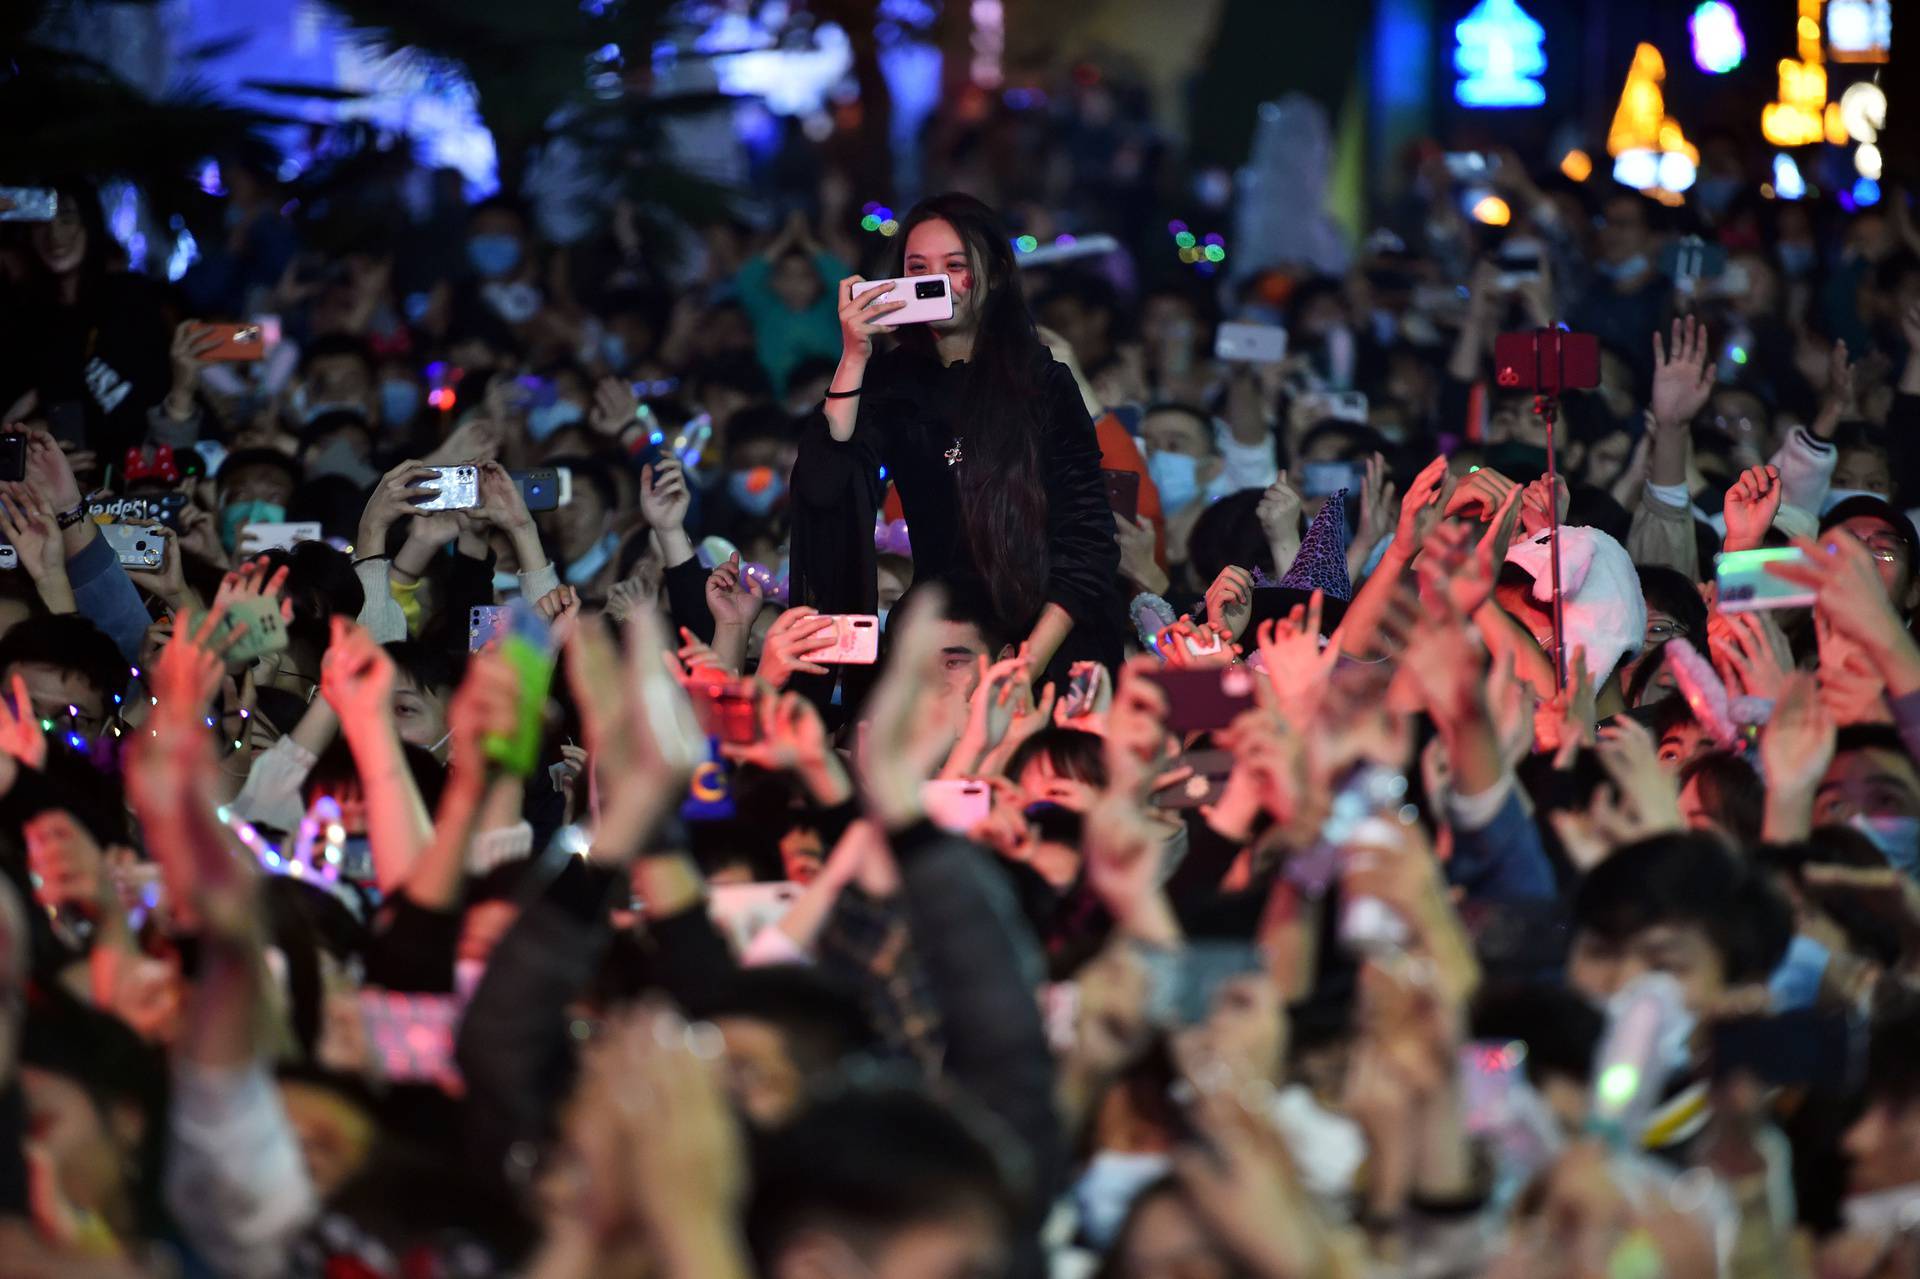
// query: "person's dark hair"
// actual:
[[762, 422], [335, 769], [1114, 1264], [1072, 752], [1559, 1027], [1730, 791], [1674, 593], [814, 366], [321, 585], [1596, 508], [1852, 737], [1868, 931], [1229, 532], [820, 1022], [1667, 714], [870, 1160], [68, 642], [1893, 1046], [101, 246], [103, 1055], [331, 345], [966, 608], [240, 459], [1360, 440], [593, 473], [1689, 879], [429, 669], [1194, 411], [739, 371], [68, 783], [1003, 497]]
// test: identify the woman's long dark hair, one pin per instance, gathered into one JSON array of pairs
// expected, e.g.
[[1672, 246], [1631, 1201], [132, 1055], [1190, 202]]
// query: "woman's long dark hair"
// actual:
[[1003, 497]]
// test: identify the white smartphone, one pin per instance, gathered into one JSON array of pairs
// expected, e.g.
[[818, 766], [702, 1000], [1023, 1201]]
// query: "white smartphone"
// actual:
[[855, 642], [742, 911], [9, 558], [255, 538], [456, 488], [1250, 343], [141, 547], [957, 806], [927, 298]]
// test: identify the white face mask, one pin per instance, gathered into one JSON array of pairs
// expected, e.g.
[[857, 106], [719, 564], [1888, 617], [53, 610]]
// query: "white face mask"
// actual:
[[1106, 1190], [1884, 1213]]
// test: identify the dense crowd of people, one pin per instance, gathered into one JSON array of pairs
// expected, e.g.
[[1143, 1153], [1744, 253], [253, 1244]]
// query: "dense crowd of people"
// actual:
[[566, 763]]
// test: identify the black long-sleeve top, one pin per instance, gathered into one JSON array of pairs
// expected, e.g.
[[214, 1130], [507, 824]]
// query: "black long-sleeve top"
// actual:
[[909, 424]]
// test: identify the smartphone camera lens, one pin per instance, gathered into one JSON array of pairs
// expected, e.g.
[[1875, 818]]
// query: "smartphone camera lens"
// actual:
[[930, 289]]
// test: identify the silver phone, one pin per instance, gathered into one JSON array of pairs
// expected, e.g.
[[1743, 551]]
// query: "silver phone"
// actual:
[[457, 489], [141, 547]]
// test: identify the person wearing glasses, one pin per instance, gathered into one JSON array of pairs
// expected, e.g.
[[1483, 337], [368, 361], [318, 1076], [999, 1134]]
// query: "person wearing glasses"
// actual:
[[1890, 536], [74, 675]]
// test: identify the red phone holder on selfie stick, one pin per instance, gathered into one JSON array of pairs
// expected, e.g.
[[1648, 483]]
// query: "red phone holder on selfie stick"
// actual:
[[1547, 362]]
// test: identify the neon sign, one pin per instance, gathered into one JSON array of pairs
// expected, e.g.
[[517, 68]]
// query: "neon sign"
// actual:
[[1650, 150]]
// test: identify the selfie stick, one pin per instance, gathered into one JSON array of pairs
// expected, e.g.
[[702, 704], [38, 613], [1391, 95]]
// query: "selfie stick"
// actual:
[[1546, 404]]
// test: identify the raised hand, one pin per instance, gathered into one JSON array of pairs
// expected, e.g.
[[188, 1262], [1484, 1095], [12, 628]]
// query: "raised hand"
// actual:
[[256, 578], [1683, 379], [21, 737], [1750, 651], [614, 406], [191, 342], [860, 316], [29, 526], [629, 595], [49, 473], [356, 676], [560, 609], [1230, 602], [794, 634], [664, 495], [1378, 514], [1644, 785], [1244, 1185], [734, 598], [398, 494], [1297, 664], [187, 674], [1797, 744], [1279, 516], [502, 504], [1085, 710], [1427, 497], [486, 704], [1481, 495], [1849, 593], [1565, 722], [1837, 401], [1752, 502], [793, 739], [1534, 515], [1137, 563], [911, 725]]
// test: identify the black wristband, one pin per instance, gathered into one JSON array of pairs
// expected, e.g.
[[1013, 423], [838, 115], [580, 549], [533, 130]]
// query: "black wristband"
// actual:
[[844, 395], [67, 519]]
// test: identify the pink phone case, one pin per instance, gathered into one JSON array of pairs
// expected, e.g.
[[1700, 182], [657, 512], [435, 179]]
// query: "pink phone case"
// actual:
[[927, 297], [856, 641]]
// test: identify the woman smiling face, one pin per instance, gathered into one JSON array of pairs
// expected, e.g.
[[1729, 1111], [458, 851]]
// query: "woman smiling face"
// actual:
[[935, 246]]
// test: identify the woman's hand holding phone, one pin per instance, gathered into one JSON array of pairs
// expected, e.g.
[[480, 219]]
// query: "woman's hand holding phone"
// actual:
[[859, 321]]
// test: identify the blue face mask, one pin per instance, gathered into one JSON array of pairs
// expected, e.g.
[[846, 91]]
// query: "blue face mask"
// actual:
[[399, 401], [583, 569], [1623, 270], [613, 349], [544, 419], [237, 515], [1797, 259], [493, 255], [1897, 838], [1177, 476], [1796, 982], [757, 490]]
